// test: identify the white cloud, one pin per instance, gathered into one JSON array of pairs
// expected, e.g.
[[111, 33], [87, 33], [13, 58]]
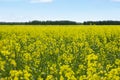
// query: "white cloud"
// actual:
[[9, 0], [32, 1], [41, 1], [116, 0]]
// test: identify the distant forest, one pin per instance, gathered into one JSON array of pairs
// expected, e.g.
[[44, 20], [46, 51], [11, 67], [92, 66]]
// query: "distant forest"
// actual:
[[36, 22]]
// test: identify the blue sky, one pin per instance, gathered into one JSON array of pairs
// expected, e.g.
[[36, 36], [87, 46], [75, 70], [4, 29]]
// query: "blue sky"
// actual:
[[75, 10]]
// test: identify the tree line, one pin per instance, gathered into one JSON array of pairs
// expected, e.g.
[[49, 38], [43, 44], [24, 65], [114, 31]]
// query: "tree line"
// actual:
[[35, 22], [102, 23]]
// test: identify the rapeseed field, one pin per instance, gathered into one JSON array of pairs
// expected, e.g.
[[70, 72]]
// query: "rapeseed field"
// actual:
[[59, 52]]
